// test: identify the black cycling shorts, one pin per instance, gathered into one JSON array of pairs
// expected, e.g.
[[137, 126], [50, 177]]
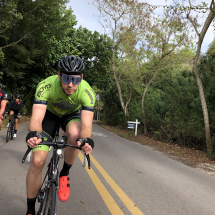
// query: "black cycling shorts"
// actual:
[[50, 121], [15, 113]]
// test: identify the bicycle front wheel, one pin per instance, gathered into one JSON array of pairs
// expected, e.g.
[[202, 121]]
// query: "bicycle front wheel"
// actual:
[[11, 130], [8, 134], [50, 207]]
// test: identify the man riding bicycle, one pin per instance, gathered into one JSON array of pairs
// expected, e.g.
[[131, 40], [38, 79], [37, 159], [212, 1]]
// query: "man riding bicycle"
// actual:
[[3, 102], [66, 99], [15, 107]]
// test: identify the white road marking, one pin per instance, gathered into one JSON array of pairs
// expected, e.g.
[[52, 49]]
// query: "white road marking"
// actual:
[[99, 134]]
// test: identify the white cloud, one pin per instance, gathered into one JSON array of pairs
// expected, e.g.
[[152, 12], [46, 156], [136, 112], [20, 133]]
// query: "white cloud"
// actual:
[[87, 16]]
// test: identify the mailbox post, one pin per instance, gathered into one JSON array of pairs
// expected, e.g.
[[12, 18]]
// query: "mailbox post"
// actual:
[[133, 125]]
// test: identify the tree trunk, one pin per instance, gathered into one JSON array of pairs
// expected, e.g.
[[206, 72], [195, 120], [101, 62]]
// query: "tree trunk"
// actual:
[[117, 81], [144, 94], [199, 82], [126, 113], [204, 109], [27, 95]]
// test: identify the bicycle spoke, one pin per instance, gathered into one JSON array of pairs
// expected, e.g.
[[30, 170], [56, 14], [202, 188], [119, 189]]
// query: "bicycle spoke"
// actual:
[[51, 199]]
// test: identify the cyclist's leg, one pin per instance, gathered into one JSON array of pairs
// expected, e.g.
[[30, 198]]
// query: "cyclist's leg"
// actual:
[[33, 180], [72, 127], [40, 153], [10, 116], [16, 119]]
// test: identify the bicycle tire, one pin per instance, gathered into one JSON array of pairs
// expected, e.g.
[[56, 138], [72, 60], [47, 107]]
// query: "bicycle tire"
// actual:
[[8, 134], [51, 200], [11, 129]]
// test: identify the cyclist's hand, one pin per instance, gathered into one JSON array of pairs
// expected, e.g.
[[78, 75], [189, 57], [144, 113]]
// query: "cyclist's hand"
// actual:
[[86, 145], [19, 116], [33, 139]]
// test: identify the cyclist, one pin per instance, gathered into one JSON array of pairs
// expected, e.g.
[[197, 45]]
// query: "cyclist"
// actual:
[[3, 102], [15, 107], [64, 98]]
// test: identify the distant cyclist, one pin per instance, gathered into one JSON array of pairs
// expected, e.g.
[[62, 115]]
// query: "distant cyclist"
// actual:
[[15, 107], [66, 99], [3, 102], [63, 136]]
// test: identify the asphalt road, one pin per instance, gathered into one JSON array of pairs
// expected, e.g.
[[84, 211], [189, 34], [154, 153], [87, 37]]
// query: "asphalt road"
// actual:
[[126, 178]]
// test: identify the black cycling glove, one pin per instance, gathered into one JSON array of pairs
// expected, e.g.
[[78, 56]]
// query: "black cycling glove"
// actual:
[[86, 140], [34, 134]]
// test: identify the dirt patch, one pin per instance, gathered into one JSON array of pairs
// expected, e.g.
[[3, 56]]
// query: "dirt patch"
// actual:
[[191, 157]]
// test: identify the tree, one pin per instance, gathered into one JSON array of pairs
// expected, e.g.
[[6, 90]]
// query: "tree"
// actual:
[[128, 68], [35, 57], [163, 41], [23, 63], [25, 17], [200, 30], [121, 17]]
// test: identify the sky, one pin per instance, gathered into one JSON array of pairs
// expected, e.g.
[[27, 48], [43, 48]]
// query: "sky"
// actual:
[[87, 16]]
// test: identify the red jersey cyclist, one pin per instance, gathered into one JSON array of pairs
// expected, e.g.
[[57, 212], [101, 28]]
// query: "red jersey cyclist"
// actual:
[[3, 102]]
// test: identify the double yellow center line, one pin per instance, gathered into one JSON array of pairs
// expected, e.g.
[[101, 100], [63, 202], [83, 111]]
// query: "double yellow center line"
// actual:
[[109, 201]]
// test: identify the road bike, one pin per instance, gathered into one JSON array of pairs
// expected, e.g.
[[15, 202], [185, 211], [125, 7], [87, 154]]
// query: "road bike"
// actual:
[[11, 128], [47, 195]]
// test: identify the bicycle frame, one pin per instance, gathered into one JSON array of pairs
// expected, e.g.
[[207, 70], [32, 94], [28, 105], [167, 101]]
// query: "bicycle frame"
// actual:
[[10, 130], [52, 174]]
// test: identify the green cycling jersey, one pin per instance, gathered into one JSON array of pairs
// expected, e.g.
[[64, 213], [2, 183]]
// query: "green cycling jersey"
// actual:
[[49, 92]]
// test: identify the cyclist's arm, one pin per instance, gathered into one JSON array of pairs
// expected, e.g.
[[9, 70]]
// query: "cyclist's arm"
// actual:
[[3, 105], [38, 113], [86, 130], [86, 124], [39, 107]]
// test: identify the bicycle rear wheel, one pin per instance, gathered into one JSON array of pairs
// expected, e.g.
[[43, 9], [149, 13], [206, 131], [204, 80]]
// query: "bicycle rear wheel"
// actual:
[[8, 134], [51, 200]]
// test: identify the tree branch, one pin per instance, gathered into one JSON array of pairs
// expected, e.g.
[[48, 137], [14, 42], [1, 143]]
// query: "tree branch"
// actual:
[[192, 22], [14, 43], [13, 23], [129, 97], [174, 47]]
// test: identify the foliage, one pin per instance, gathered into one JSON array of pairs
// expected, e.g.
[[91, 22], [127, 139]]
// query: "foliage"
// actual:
[[173, 107], [50, 35]]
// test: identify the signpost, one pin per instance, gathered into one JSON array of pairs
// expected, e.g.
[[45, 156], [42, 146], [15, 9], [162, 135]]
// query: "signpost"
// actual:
[[133, 125]]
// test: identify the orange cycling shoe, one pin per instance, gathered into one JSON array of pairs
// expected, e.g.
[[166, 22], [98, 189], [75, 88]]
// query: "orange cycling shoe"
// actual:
[[64, 190]]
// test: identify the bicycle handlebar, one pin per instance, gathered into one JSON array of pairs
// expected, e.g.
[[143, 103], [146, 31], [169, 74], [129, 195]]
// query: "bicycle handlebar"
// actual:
[[13, 115], [57, 145]]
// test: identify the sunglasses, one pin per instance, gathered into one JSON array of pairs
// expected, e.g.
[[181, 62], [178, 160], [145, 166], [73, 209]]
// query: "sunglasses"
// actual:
[[68, 78]]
